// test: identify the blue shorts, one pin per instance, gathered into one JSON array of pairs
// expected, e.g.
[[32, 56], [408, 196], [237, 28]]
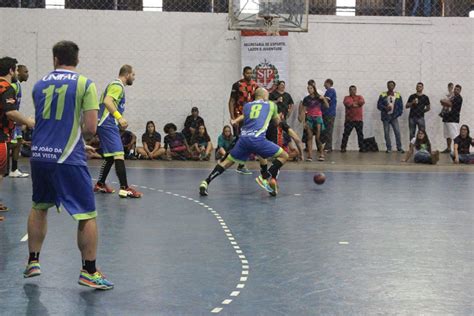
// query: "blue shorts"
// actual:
[[247, 145], [110, 141], [57, 184]]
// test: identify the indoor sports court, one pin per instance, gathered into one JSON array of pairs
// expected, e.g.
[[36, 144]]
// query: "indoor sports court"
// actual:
[[365, 242], [367, 105]]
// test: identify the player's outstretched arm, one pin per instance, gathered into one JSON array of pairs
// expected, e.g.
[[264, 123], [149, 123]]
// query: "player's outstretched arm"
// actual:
[[19, 118]]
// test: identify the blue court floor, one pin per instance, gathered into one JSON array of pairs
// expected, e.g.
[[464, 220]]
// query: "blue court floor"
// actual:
[[364, 243]]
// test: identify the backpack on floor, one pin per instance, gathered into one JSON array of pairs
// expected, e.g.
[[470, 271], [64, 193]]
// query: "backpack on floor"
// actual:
[[370, 144]]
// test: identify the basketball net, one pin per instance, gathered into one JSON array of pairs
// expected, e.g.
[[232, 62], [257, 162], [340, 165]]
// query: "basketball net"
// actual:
[[271, 26]]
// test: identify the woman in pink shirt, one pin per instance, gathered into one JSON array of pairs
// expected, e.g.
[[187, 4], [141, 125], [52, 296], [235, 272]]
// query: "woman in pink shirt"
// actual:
[[311, 107]]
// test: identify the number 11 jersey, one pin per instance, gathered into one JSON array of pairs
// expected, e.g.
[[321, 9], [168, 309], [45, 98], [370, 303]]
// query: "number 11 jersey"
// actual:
[[59, 99]]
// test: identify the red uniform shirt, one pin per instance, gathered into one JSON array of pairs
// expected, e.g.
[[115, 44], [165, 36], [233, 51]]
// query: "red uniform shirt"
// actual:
[[7, 103], [243, 92]]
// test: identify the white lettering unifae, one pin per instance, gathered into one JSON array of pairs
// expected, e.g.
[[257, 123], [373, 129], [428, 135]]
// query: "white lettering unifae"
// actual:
[[60, 76]]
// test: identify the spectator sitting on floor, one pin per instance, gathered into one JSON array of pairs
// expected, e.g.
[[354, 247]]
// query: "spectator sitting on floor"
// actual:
[[191, 124], [176, 146], [285, 142], [462, 144], [421, 146], [151, 141], [201, 145], [129, 142], [225, 142], [93, 148]]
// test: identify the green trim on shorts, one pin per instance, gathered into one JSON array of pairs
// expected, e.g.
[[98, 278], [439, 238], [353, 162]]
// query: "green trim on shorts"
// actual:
[[117, 153], [278, 153], [85, 216], [235, 160], [43, 206]]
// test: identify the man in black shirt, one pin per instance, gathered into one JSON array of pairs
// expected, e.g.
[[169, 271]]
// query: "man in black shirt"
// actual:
[[451, 118], [192, 123], [283, 99], [419, 104]]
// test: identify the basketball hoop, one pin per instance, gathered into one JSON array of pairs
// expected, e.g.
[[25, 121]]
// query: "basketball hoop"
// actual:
[[271, 26]]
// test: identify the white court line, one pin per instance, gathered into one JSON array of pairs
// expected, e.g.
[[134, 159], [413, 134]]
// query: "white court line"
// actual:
[[216, 310], [240, 286], [235, 293], [25, 238], [226, 302]]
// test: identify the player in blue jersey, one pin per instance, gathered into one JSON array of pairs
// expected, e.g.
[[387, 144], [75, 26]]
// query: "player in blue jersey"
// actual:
[[62, 99], [257, 115], [17, 139], [112, 106]]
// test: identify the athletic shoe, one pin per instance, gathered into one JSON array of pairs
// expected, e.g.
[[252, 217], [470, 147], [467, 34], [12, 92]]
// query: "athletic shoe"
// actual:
[[401, 151], [388, 151], [18, 174], [274, 186], [263, 183], [32, 269], [3, 208], [95, 281], [103, 188], [243, 170], [203, 188], [2, 218], [130, 192]]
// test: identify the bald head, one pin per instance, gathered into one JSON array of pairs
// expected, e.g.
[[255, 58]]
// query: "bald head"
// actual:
[[261, 94]]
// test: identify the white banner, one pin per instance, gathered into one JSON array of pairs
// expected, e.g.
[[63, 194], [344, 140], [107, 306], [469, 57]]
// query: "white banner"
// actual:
[[268, 57]]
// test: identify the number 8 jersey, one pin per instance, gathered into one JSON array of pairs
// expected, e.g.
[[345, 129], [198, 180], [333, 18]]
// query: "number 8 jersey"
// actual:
[[59, 99], [257, 116]]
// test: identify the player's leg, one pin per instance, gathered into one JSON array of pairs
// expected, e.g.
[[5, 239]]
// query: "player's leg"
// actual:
[[262, 179], [3, 170], [309, 144], [15, 154], [319, 144], [266, 148], [125, 189], [72, 184], [239, 154], [110, 147], [159, 153], [44, 197]]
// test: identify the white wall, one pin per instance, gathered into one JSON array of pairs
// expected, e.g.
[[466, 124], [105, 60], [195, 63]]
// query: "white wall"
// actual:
[[185, 59]]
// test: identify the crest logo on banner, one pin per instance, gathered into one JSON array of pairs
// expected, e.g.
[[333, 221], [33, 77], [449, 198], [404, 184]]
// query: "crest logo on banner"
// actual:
[[266, 74]]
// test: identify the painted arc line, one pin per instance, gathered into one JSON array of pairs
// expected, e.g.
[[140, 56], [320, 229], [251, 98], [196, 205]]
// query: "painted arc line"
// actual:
[[235, 293], [243, 279], [25, 238], [240, 286], [226, 302], [343, 243], [216, 310]]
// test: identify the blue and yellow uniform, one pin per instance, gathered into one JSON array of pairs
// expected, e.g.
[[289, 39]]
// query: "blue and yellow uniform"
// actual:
[[58, 161], [107, 129], [17, 132], [257, 117]]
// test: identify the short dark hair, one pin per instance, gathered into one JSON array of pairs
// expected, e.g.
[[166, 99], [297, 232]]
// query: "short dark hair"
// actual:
[[420, 83], [352, 86], [391, 81], [168, 127], [450, 84], [18, 67], [458, 86], [67, 53], [280, 81], [246, 68], [329, 81], [7, 64], [125, 70]]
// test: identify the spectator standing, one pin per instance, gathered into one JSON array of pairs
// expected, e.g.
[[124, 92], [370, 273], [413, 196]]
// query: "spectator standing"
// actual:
[[390, 105], [451, 118], [449, 95], [191, 124], [310, 111], [419, 104], [243, 91], [329, 114], [283, 99], [354, 118], [462, 144]]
